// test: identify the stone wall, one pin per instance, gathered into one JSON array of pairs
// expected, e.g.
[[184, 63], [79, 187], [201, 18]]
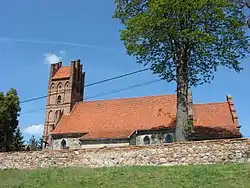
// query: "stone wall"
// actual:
[[200, 152]]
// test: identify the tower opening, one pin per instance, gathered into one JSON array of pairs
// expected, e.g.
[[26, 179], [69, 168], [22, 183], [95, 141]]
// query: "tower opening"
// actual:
[[59, 99]]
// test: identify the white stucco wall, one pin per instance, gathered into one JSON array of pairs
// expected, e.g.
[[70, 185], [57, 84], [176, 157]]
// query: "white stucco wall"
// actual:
[[71, 143], [74, 143], [158, 138]]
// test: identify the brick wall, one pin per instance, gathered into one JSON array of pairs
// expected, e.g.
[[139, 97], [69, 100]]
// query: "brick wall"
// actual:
[[202, 152]]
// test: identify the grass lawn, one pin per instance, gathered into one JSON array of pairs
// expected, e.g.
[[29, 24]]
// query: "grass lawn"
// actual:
[[212, 176]]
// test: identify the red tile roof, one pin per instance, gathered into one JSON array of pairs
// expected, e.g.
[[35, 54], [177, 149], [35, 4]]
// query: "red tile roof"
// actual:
[[119, 118], [214, 119], [62, 72]]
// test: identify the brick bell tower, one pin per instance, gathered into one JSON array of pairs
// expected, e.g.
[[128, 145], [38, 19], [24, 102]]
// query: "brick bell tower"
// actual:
[[65, 89]]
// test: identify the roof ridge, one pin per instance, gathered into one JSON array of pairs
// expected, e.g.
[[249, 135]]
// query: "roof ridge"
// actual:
[[126, 98], [210, 103]]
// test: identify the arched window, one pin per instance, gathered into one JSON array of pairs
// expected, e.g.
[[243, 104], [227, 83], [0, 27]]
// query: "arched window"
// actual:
[[146, 140], [59, 99], [52, 87], [59, 86], [67, 85], [50, 116], [168, 139], [63, 144], [57, 116]]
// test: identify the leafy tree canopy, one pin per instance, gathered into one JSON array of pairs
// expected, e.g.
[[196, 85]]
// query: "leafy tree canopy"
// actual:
[[18, 143], [211, 31], [9, 112]]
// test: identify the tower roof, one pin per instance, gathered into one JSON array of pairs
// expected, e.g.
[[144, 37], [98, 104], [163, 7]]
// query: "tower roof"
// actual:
[[62, 72]]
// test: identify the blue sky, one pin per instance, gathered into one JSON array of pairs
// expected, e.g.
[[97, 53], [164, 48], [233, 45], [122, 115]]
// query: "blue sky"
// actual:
[[35, 32]]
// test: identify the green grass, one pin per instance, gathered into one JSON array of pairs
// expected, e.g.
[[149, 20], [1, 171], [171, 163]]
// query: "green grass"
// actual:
[[205, 176]]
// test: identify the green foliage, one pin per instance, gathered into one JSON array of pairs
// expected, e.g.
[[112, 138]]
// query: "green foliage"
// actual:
[[212, 31], [243, 4], [33, 143], [184, 41], [40, 144], [9, 112], [18, 143]]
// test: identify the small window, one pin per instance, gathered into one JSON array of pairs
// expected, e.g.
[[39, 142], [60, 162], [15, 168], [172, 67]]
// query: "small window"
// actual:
[[59, 86], [67, 85], [52, 87], [57, 116], [146, 140], [169, 139], [63, 144], [59, 99]]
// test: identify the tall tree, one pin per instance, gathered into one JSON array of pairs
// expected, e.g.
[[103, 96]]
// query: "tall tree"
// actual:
[[9, 112], [184, 41], [40, 144], [18, 142], [33, 143]]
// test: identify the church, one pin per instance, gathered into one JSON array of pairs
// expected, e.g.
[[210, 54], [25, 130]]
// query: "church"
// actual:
[[72, 123]]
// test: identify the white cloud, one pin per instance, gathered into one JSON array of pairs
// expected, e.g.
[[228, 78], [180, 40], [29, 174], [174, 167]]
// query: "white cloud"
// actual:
[[51, 58], [62, 52], [34, 129]]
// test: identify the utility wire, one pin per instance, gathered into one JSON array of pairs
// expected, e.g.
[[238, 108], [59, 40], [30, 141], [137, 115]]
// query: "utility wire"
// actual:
[[114, 78], [95, 83], [103, 94], [127, 88]]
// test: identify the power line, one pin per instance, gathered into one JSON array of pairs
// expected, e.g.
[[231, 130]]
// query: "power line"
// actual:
[[32, 111], [95, 83], [103, 94], [127, 88], [114, 78]]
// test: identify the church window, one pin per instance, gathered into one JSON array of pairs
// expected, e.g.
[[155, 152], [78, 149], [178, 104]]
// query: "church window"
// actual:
[[146, 140], [59, 86], [59, 99], [52, 86], [67, 85], [168, 139], [63, 144], [57, 115], [50, 116]]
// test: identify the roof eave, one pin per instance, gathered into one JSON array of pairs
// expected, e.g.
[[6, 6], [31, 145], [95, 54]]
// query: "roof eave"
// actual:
[[68, 133], [61, 78], [111, 138]]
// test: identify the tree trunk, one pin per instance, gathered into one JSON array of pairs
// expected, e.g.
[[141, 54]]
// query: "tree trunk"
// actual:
[[182, 95]]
